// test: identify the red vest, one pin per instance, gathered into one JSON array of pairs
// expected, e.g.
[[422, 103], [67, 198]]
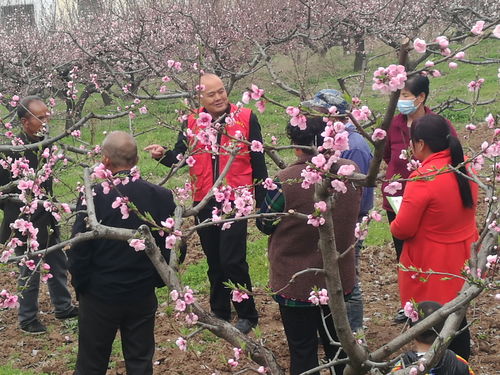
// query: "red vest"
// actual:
[[240, 172]]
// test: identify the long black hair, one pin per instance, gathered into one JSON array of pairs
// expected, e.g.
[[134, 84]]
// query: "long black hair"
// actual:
[[435, 132]]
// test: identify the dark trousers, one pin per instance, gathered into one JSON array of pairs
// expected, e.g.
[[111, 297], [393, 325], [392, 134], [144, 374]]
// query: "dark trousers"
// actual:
[[98, 323], [302, 325], [398, 244], [29, 284], [226, 252]]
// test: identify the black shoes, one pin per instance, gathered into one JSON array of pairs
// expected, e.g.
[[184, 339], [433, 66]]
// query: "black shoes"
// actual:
[[245, 325], [34, 328], [71, 313]]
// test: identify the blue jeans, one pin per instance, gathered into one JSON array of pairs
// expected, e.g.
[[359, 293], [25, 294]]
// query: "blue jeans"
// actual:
[[354, 307]]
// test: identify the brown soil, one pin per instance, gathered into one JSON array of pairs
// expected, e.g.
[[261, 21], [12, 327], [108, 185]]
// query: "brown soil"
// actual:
[[54, 352]]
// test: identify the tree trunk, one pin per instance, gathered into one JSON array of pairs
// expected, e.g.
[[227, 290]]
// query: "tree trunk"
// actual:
[[360, 53]]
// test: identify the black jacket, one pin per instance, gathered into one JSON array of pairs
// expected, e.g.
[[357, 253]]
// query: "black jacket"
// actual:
[[41, 219], [112, 270], [450, 364]]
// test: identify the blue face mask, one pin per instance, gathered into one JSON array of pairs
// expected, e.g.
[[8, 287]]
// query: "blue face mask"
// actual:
[[406, 107]]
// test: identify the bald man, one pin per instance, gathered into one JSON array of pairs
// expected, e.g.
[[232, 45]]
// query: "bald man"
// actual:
[[115, 284], [34, 115], [225, 249]]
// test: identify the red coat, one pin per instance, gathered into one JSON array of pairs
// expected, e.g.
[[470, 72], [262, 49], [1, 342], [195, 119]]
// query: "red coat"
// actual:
[[437, 231]]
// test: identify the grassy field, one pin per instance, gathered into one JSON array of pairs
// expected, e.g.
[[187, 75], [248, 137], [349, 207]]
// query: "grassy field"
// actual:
[[322, 73]]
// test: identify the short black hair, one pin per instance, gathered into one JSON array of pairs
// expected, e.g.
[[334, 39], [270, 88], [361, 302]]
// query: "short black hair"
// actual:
[[418, 84], [24, 105], [310, 136], [425, 309]]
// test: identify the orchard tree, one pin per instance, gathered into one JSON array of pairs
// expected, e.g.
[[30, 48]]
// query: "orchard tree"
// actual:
[[157, 51]]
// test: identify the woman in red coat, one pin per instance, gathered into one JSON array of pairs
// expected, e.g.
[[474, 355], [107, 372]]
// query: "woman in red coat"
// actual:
[[437, 218]]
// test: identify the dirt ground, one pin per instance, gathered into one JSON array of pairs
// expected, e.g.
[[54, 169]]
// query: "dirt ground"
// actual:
[[54, 352]]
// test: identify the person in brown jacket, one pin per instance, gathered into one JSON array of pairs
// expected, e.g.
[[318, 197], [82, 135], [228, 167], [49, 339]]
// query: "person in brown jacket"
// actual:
[[293, 247]]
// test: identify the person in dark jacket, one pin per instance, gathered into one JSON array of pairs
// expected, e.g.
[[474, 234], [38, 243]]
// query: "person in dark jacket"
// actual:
[[449, 364], [225, 249], [33, 115], [293, 247], [114, 282]]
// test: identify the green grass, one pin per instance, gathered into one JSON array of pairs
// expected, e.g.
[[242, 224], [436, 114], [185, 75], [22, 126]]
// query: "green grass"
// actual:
[[8, 370]]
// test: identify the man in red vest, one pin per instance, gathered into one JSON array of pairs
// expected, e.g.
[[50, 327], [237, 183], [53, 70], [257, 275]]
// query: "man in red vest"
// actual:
[[225, 249]]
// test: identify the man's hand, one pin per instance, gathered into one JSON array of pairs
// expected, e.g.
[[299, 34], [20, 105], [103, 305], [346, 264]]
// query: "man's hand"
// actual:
[[156, 151]]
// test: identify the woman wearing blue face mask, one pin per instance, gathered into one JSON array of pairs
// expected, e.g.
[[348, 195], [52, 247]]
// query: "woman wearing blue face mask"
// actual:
[[411, 105]]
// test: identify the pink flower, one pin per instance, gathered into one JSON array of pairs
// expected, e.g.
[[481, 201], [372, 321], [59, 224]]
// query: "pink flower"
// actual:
[[101, 172], [46, 277], [189, 298], [292, 111], [300, 121], [76, 133], [138, 244], [470, 127], [170, 241], [261, 106], [361, 114], [199, 87], [261, 370], [204, 119], [191, 318], [453, 65], [180, 305], [319, 160], [419, 45], [321, 206], [410, 311], [442, 41], [143, 110], [163, 89], [239, 296], [413, 371], [429, 63], [256, 146], [269, 184], [346, 170], [246, 97], [233, 363], [496, 31], [165, 79], [339, 186], [374, 215], [477, 29], [8, 300], [378, 134], [393, 188], [190, 161], [174, 294], [256, 92], [131, 115], [460, 55], [490, 120], [237, 353], [315, 221], [436, 73], [181, 344], [178, 66]]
